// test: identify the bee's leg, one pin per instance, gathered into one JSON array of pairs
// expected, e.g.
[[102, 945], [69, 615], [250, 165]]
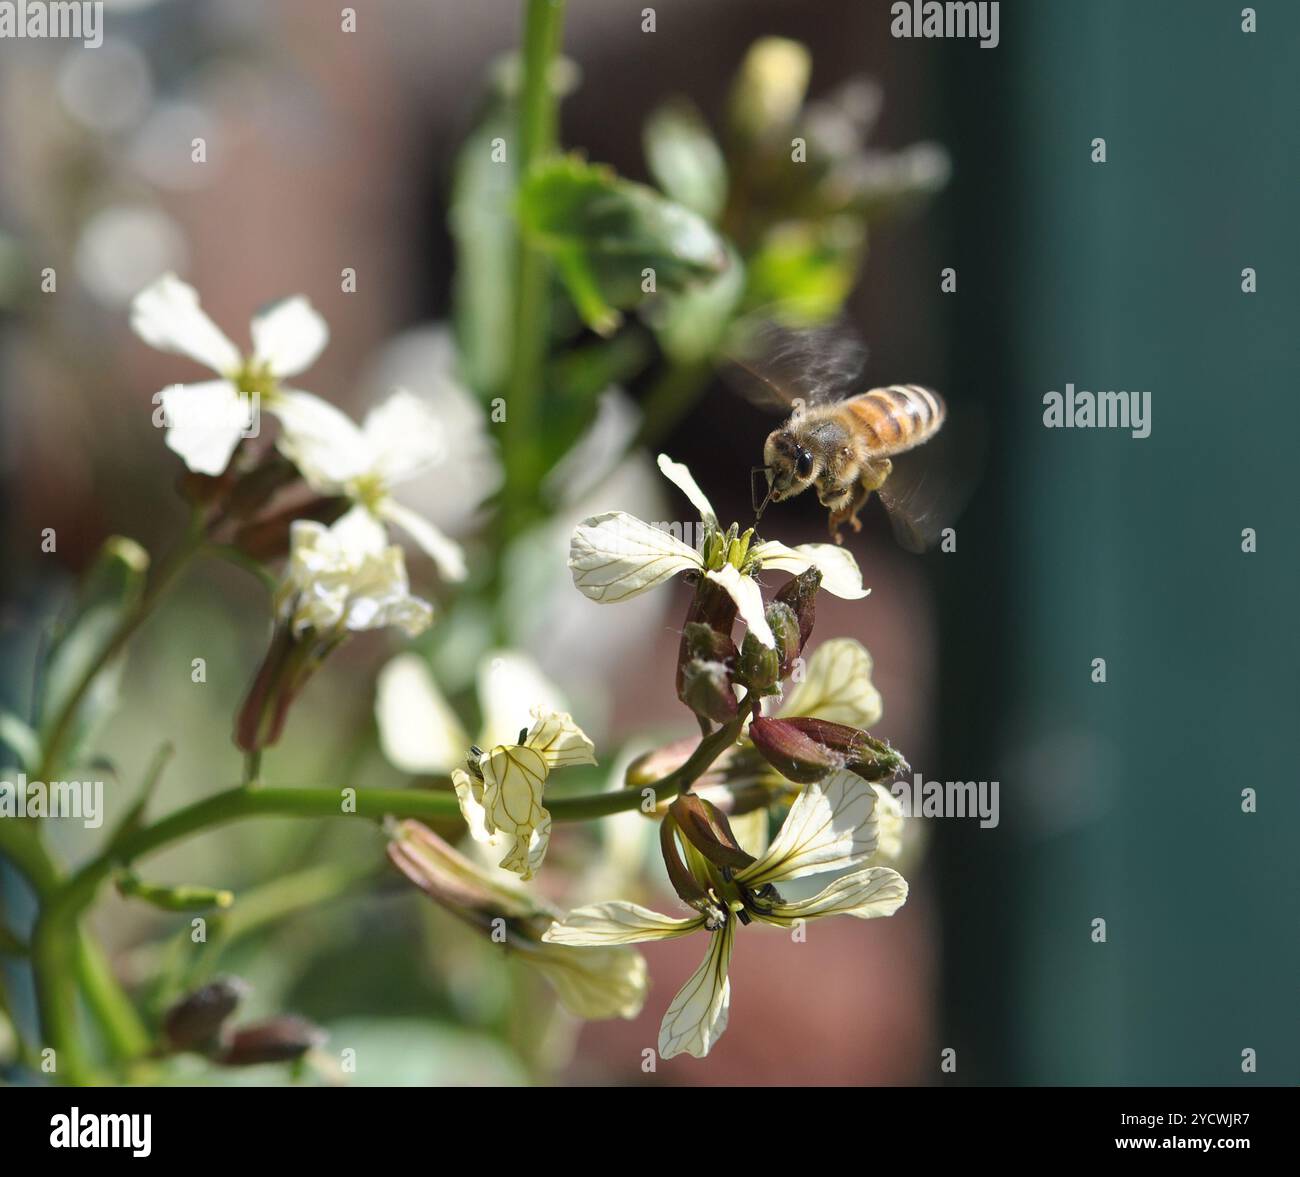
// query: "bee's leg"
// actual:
[[871, 477], [839, 499]]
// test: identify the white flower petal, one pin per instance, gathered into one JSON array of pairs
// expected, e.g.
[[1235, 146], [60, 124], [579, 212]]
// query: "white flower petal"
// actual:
[[615, 556], [446, 553], [288, 336], [205, 423], [324, 443], [510, 686], [840, 573], [865, 894], [469, 794], [751, 830], [404, 438], [358, 534], [418, 730], [680, 477], [749, 601], [513, 781], [836, 686], [594, 982], [617, 922], [890, 824], [166, 315], [831, 826], [559, 741], [698, 1014]]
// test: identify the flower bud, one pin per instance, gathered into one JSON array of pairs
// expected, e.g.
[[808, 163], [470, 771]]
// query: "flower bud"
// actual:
[[276, 1040], [712, 609], [706, 827], [706, 690], [759, 668], [283, 674], [800, 595], [803, 749], [194, 1022]]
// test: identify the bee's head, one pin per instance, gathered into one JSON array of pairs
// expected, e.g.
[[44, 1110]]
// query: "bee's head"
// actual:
[[791, 465]]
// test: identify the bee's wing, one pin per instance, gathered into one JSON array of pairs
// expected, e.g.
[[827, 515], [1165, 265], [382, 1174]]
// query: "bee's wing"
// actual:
[[776, 367], [929, 487]]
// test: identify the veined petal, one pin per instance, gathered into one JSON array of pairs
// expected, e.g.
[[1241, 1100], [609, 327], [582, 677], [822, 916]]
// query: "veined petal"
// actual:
[[559, 741], [840, 573], [617, 922], [749, 601], [615, 556], [444, 552], [698, 1014], [322, 441], [205, 423], [166, 315], [864, 894], [288, 336], [469, 794], [513, 781], [890, 823], [418, 730], [837, 686], [682, 479], [404, 437], [510, 686], [831, 826], [751, 831], [594, 982]]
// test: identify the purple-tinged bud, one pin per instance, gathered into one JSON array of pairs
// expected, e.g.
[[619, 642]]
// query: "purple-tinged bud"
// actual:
[[651, 767], [194, 1022], [279, 680], [711, 608], [805, 749], [799, 594], [277, 1040], [706, 828], [689, 889]]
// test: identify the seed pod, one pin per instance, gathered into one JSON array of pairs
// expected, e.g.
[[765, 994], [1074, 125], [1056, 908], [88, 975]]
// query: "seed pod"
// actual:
[[276, 1040], [805, 749], [194, 1022]]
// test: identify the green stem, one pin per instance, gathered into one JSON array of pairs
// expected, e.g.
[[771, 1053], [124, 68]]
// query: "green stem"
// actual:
[[160, 583], [538, 121]]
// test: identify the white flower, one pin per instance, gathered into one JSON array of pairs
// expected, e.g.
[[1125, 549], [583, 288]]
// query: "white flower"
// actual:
[[831, 826], [615, 556], [206, 420], [399, 440], [590, 982], [346, 577], [836, 687], [526, 733]]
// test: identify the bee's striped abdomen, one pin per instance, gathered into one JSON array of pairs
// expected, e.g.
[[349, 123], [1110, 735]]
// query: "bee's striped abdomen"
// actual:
[[897, 417]]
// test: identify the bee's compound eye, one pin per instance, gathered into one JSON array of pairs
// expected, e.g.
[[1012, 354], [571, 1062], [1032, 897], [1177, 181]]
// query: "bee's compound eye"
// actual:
[[804, 463]]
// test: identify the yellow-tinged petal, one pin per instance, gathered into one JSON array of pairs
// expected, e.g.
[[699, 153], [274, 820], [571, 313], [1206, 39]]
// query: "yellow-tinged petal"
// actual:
[[594, 982], [841, 576], [831, 826], [751, 830], [617, 922], [510, 687], [513, 780], [559, 741], [681, 477], [749, 601], [837, 686], [469, 793], [890, 822], [615, 556], [865, 894], [698, 1014]]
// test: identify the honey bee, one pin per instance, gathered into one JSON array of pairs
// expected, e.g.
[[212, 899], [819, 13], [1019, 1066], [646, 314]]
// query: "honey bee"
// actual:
[[845, 449], [846, 445]]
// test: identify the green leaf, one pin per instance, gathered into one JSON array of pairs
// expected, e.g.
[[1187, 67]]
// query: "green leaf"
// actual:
[[692, 324], [804, 270], [20, 740], [685, 159], [611, 239]]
